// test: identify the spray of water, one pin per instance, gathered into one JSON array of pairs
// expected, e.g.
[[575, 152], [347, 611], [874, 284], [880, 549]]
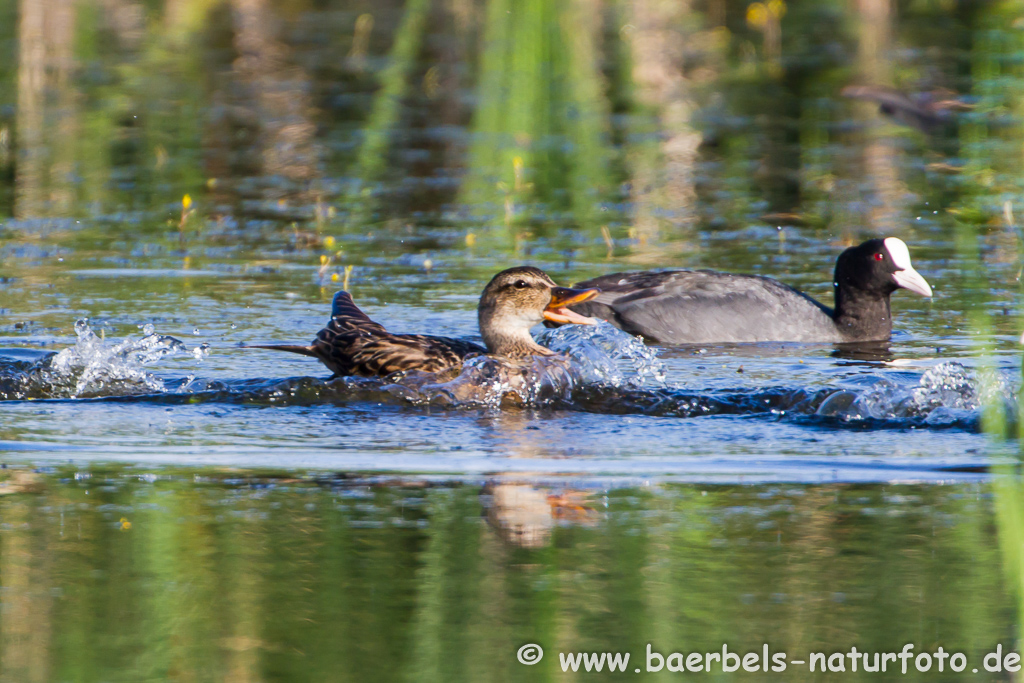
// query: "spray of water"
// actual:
[[94, 367], [592, 357], [946, 394], [597, 369]]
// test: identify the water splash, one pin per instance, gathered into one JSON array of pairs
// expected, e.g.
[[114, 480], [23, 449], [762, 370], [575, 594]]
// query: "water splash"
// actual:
[[94, 367], [948, 393], [589, 358], [490, 382], [598, 369], [607, 356]]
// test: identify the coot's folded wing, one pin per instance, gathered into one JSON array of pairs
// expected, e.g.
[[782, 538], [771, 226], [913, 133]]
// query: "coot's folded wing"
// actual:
[[697, 306]]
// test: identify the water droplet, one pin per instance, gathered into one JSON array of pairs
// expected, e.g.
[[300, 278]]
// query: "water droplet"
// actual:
[[148, 329]]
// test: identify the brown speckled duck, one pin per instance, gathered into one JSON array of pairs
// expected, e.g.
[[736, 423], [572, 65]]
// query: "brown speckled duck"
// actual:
[[513, 302]]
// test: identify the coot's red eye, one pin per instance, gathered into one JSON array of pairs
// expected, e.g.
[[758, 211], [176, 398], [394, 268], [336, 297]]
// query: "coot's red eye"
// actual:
[[879, 256]]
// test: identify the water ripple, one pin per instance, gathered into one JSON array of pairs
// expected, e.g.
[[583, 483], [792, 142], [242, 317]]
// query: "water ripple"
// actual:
[[599, 370]]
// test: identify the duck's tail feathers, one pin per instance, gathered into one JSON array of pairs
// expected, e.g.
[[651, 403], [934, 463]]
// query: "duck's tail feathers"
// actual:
[[343, 305], [348, 316], [291, 348]]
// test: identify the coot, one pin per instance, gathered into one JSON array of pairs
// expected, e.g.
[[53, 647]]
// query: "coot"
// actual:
[[927, 111], [702, 306]]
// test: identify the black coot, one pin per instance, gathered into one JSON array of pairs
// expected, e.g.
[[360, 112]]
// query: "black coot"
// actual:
[[701, 306]]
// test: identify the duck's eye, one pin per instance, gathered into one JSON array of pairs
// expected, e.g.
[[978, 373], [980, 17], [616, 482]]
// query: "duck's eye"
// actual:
[[520, 284], [879, 256]]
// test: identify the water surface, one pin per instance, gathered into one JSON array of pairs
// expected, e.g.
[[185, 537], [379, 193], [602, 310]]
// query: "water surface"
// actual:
[[114, 573], [191, 176]]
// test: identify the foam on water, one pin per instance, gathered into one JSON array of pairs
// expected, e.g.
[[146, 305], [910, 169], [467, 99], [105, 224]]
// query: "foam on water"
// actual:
[[948, 393], [94, 367]]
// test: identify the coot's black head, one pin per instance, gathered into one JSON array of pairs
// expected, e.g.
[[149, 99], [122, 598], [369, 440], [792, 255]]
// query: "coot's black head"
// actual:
[[879, 267]]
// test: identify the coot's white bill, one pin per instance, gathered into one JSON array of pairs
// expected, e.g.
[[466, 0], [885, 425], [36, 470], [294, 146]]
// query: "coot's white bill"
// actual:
[[906, 277]]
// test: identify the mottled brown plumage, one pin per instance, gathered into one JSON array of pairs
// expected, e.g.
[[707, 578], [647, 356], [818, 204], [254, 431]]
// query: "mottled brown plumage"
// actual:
[[514, 301]]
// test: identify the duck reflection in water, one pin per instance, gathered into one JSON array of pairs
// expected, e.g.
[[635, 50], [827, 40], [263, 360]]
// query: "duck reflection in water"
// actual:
[[523, 511], [524, 515]]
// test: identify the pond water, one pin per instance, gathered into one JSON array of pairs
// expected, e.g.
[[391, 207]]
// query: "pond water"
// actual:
[[180, 179], [120, 574]]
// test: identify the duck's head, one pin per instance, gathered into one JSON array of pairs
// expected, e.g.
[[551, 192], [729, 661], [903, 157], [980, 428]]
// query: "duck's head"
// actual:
[[517, 299]]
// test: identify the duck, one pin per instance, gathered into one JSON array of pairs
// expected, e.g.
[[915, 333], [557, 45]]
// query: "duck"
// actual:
[[703, 306], [515, 300]]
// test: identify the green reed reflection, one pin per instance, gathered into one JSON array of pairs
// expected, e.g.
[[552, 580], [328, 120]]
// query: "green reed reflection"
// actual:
[[118, 577], [541, 125], [387, 102]]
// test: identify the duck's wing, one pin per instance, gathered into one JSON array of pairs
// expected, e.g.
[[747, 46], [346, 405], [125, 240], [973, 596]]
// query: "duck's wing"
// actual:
[[699, 306], [379, 355]]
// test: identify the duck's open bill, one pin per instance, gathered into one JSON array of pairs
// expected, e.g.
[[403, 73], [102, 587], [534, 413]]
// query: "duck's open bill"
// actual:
[[562, 297]]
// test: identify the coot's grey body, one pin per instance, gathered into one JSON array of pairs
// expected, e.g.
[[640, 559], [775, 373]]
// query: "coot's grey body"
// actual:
[[701, 306]]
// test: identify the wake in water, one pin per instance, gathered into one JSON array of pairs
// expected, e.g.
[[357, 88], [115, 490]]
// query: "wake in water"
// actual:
[[948, 395], [599, 369]]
